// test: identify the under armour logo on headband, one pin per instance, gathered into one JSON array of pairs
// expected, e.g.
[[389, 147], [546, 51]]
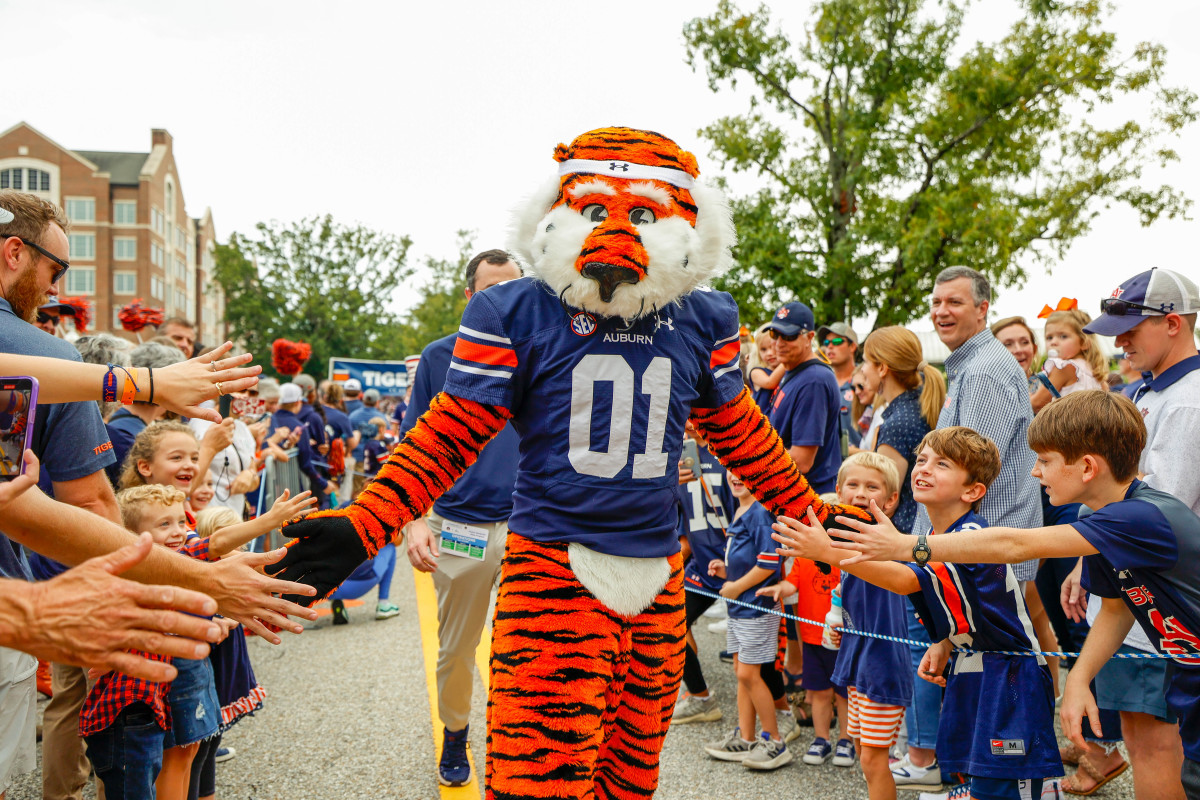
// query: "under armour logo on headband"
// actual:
[[613, 166]]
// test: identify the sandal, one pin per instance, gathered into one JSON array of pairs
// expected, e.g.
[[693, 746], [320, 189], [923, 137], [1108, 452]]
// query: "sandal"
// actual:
[[1071, 753], [1085, 766]]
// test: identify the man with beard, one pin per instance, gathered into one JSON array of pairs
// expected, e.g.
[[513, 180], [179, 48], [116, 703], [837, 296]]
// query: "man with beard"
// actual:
[[73, 446]]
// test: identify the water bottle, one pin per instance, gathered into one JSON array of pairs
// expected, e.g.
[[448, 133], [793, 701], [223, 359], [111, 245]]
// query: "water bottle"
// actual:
[[834, 618]]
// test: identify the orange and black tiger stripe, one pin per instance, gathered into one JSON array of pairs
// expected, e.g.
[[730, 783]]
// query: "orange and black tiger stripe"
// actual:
[[743, 440], [432, 456], [580, 697]]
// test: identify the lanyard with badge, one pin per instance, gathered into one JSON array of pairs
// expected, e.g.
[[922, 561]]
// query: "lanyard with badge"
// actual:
[[460, 539]]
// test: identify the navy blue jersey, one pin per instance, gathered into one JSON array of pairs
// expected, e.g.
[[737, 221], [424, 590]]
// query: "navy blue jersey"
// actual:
[[1149, 546], [483, 494], [806, 412], [879, 669], [998, 713], [707, 509], [750, 545], [600, 407], [762, 397]]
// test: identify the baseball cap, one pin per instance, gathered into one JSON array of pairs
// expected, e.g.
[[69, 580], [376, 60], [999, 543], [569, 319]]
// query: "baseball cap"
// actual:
[[305, 382], [61, 308], [290, 393], [352, 385], [792, 319], [837, 329], [6, 216], [1153, 293], [372, 395]]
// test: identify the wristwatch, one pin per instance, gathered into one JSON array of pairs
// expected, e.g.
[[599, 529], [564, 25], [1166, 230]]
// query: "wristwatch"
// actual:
[[921, 551]]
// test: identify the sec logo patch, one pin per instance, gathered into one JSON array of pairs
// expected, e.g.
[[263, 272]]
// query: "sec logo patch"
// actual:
[[583, 323]]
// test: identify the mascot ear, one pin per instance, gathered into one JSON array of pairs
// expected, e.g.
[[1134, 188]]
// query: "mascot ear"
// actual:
[[688, 162], [560, 153]]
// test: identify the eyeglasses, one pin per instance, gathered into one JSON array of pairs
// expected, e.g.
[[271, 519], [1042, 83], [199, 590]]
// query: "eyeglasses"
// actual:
[[858, 387], [833, 340], [43, 318], [1119, 308], [63, 266], [777, 335]]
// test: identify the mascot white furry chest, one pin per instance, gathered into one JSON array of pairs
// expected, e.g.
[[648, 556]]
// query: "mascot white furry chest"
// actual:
[[599, 358]]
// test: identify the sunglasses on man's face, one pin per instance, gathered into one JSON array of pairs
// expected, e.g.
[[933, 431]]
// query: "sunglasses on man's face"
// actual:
[[1119, 308], [61, 266], [777, 335], [833, 340], [43, 318]]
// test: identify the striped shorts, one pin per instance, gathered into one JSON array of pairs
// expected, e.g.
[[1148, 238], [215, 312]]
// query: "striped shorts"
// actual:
[[876, 724], [755, 640]]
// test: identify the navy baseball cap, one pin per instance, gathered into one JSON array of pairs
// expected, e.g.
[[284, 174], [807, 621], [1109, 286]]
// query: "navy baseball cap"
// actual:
[[1153, 293], [55, 305], [792, 319]]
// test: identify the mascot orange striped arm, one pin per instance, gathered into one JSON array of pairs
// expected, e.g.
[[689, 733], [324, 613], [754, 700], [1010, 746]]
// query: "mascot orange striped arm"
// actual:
[[599, 357]]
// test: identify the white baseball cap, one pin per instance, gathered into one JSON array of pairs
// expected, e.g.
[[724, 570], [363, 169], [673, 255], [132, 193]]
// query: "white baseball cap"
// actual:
[[6, 216], [352, 385], [290, 393]]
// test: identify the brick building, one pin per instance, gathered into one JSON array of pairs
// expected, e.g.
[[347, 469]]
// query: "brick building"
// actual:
[[130, 233]]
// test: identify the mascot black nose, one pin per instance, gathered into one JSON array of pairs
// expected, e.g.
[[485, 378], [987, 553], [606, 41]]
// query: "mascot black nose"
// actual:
[[609, 276]]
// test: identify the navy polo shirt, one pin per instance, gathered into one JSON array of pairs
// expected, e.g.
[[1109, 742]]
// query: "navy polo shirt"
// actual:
[[807, 412]]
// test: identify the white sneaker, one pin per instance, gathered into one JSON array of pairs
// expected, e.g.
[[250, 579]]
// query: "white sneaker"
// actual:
[[788, 729], [716, 611], [767, 754], [732, 748], [720, 626], [695, 709], [912, 777]]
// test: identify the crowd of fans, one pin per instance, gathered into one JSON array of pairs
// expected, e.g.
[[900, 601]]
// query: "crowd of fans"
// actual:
[[869, 423]]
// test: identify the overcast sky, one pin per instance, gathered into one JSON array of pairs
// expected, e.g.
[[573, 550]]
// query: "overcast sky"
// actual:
[[423, 118]]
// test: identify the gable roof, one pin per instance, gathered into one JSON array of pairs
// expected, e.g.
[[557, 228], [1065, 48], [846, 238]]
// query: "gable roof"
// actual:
[[124, 169]]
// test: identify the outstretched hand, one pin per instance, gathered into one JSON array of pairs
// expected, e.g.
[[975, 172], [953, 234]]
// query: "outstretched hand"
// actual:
[[806, 539], [253, 599], [184, 386], [873, 541], [326, 550]]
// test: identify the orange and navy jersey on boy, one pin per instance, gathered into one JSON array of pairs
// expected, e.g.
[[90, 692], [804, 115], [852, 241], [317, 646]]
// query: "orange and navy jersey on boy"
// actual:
[[750, 545], [1005, 702], [600, 469], [1149, 545]]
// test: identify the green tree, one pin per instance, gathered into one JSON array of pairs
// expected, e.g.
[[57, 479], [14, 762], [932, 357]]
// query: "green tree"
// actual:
[[886, 158], [315, 281], [442, 302]]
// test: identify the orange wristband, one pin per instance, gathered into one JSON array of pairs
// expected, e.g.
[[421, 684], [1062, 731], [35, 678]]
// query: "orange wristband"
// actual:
[[128, 391]]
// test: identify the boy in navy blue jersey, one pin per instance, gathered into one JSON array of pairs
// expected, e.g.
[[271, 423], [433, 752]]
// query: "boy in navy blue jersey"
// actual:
[[1141, 547], [753, 635], [708, 506], [997, 717]]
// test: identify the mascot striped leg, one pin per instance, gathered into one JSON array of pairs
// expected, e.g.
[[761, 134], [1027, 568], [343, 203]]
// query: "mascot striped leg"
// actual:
[[581, 697]]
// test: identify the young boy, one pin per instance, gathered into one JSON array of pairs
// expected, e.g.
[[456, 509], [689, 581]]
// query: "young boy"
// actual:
[[753, 634], [997, 725], [876, 672], [1141, 545], [376, 448]]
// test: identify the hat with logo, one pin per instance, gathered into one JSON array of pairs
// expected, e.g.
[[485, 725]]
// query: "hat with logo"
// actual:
[[1153, 293], [290, 393], [837, 329], [351, 385], [792, 319]]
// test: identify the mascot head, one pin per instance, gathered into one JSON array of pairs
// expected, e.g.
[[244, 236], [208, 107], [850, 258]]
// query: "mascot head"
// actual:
[[624, 228]]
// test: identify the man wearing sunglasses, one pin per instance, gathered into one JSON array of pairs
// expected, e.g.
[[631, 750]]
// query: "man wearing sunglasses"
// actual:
[[806, 406], [1153, 317], [839, 343], [49, 313]]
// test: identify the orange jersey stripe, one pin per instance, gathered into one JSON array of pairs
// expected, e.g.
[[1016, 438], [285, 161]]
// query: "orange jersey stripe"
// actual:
[[726, 354], [953, 600], [484, 353]]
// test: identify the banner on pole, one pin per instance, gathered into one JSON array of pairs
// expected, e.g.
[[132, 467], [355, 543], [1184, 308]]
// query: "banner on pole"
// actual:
[[389, 377]]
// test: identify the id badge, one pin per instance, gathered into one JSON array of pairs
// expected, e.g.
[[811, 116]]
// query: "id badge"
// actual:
[[468, 541]]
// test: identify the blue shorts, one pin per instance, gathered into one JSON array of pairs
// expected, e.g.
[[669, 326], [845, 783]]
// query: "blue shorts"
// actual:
[[1006, 789], [195, 711], [1135, 684], [128, 754], [818, 669]]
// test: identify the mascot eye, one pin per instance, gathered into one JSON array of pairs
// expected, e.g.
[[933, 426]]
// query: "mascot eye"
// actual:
[[595, 212], [641, 216]]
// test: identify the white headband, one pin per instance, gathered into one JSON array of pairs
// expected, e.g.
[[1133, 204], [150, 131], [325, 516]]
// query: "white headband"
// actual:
[[627, 170]]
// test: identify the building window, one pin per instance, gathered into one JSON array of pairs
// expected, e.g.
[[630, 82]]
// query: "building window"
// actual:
[[83, 246], [81, 280], [117, 318], [156, 254], [12, 179], [180, 268], [180, 299], [156, 287], [156, 220], [180, 238], [81, 209], [124, 283], [125, 248], [125, 212]]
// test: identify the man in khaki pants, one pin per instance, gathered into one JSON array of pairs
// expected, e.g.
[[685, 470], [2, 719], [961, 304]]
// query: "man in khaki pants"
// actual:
[[462, 540]]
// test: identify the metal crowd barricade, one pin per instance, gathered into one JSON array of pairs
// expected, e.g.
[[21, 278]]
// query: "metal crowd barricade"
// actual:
[[277, 476]]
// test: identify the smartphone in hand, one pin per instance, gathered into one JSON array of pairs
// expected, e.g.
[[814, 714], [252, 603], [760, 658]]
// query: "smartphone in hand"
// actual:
[[18, 402]]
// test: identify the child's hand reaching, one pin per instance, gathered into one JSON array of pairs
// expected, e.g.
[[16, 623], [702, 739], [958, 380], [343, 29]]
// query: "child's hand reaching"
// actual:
[[802, 539], [778, 592], [226, 625], [287, 507], [729, 590], [933, 663], [716, 568], [877, 541]]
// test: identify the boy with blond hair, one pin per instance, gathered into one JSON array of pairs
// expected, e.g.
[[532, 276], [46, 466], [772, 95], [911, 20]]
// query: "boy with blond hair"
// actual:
[[997, 725], [1141, 547], [874, 673]]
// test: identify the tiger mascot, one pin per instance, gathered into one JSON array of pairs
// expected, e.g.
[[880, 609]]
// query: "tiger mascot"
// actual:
[[599, 358]]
